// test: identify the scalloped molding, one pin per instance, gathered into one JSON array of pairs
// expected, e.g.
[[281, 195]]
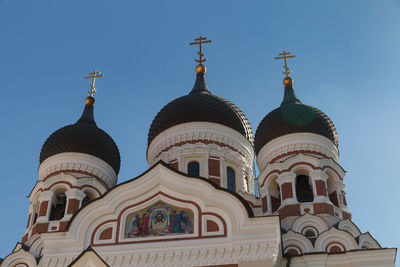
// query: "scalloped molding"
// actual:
[[72, 161], [296, 142]]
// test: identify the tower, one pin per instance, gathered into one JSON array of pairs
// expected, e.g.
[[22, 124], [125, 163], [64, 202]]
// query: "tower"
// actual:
[[205, 135], [78, 163]]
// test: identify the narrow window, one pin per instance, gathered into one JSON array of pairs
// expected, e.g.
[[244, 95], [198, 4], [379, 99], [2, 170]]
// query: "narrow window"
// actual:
[[304, 190], [88, 198], [58, 207], [231, 179], [194, 168]]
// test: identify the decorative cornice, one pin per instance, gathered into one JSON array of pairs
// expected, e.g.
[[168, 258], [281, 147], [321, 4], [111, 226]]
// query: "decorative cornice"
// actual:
[[204, 132], [78, 162], [305, 142]]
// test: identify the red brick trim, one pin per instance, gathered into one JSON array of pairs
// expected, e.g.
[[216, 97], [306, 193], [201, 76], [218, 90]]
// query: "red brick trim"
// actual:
[[287, 190], [43, 208], [119, 224], [204, 141], [212, 226], [217, 181], [321, 188], [335, 243], [301, 251], [40, 228], [70, 186], [73, 206], [264, 202], [294, 165], [25, 238], [106, 234], [214, 167], [29, 220], [298, 152], [323, 208], [289, 210], [23, 263], [78, 171], [63, 225]]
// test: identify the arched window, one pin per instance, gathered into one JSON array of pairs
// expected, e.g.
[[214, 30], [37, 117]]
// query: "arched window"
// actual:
[[304, 190], [231, 179], [88, 198], [58, 206], [194, 168], [310, 233], [275, 195], [332, 190]]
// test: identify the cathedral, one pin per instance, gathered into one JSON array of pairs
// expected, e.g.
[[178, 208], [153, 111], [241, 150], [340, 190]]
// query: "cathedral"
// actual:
[[200, 203]]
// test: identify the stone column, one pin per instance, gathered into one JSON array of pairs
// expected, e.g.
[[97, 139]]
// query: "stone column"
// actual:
[[286, 183], [74, 200], [45, 206], [320, 190]]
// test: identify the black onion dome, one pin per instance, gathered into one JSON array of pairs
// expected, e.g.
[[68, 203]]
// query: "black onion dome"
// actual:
[[293, 117], [84, 137], [202, 106]]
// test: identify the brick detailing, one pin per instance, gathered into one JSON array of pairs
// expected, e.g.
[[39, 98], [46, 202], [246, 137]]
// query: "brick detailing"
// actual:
[[344, 198], [43, 208], [212, 226], [323, 208], [321, 188], [73, 206], [292, 252], [40, 228], [264, 204], [287, 191], [216, 181], [298, 152], [346, 215], [175, 165], [299, 163], [334, 199], [24, 238], [204, 141], [275, 203], [77, 171], [106, 234], [289, 210], [29, 220], [334, 249], [63, 225], [213, 167]]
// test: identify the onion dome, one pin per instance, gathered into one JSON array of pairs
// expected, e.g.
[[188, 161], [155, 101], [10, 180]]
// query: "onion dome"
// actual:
[[84, 137], [293, 117], [200, 105]]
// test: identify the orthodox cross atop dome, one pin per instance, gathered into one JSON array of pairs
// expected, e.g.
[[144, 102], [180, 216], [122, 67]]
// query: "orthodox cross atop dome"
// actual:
[[200, 41], [93, 75], [285, 55]]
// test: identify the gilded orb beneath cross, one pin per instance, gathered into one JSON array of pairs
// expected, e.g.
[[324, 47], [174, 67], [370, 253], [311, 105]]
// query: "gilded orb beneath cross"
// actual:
[[201, 68]]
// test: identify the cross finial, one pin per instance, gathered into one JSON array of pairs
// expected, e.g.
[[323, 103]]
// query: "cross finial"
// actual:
[[285, 55], [200, 41], [95, 74]]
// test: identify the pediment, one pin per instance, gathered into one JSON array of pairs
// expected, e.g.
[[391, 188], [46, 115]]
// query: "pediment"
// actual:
[[163, 206]]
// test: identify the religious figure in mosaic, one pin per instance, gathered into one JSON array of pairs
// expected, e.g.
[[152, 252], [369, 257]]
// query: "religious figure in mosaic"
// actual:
[[159, 219]]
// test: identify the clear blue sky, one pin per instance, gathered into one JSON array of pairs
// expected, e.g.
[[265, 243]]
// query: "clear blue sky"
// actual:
[[347, 64]]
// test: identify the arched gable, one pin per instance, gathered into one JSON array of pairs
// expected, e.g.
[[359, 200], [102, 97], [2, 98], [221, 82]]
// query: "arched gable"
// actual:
[[126, 218]]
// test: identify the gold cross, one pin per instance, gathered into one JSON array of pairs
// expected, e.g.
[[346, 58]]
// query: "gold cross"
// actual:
[[284, 55], [95, 74], [200, 42]]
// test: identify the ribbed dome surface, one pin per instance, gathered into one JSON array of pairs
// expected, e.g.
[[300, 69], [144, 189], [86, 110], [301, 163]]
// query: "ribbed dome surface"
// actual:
[[200, 105], [293, 117], [84, 137]]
